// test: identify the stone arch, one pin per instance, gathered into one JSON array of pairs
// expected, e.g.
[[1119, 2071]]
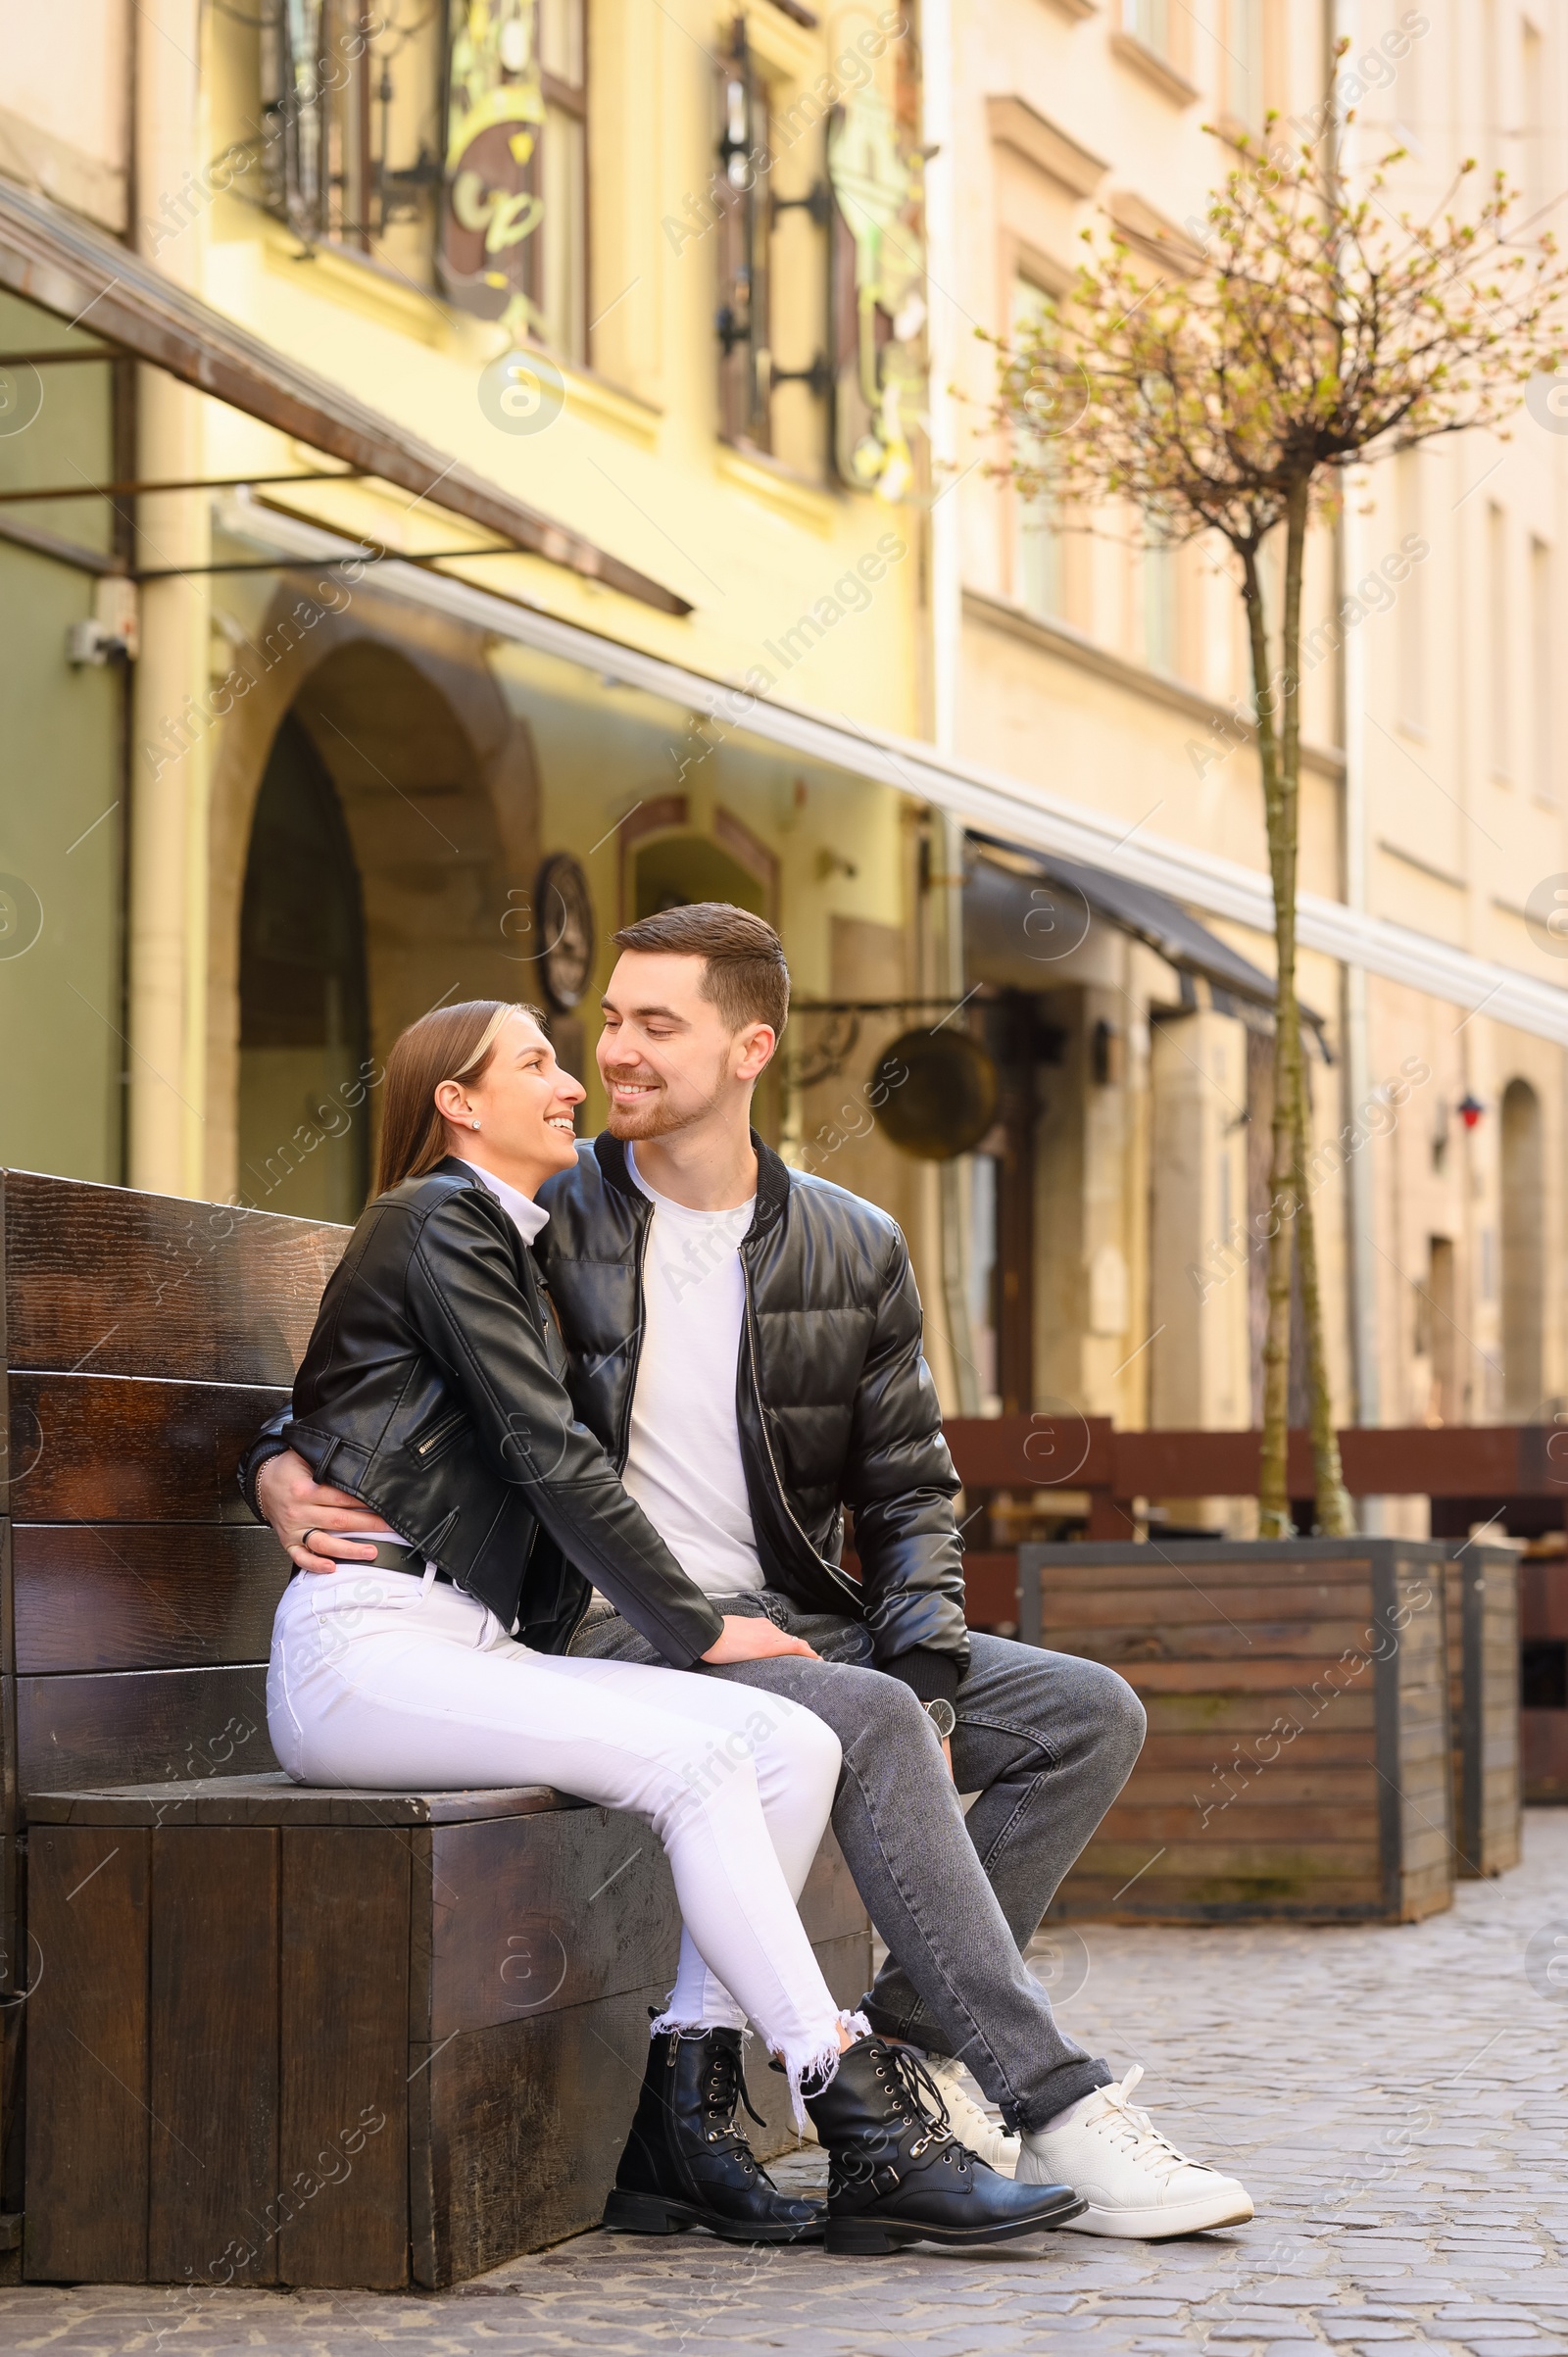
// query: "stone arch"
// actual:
[[437, 785], [1524, 1272]]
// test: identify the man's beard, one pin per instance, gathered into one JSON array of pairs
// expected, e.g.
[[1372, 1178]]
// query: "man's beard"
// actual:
[[654, 1117]]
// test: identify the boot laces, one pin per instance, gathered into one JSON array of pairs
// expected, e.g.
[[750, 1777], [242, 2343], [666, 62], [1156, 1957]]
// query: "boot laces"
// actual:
[[1132, 2128], [923, 2106], [726, 2085]]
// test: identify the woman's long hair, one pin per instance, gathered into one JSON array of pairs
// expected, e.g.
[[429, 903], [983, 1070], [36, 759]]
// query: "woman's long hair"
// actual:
[[453, 1043]]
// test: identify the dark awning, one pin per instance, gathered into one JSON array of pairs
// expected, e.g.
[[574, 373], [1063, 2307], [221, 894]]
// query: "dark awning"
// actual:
[[1023, 909], [54, 260]]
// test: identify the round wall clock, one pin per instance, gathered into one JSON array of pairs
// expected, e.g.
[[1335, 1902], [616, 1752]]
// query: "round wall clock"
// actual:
[[566, 912]]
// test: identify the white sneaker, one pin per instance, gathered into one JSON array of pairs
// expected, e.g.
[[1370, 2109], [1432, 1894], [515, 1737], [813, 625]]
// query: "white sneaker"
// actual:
[[1134, 2180], [970, 2125]]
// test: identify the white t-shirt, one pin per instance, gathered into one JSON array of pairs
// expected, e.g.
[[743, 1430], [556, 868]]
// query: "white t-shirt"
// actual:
[[684, 1464]]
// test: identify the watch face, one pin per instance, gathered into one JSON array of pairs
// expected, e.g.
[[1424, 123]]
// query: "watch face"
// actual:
[[565, 916], [942, 1717]]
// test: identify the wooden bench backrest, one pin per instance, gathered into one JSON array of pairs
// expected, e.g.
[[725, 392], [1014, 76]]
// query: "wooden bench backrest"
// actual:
[[145, 1339]]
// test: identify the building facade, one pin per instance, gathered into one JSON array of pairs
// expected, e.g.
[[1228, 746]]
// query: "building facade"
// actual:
[[1098, 668], [471, 474], [439, 378]]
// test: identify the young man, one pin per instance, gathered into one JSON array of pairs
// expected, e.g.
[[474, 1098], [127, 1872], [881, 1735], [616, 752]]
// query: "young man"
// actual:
[[745, 1343]]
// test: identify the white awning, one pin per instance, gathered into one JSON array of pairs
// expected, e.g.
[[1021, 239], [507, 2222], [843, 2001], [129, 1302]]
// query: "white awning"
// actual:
[[988, 799]]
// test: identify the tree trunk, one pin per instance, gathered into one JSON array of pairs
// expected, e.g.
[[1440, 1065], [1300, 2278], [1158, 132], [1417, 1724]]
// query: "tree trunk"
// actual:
[[1279, 808], [1336, 1518], [1332, 1505]]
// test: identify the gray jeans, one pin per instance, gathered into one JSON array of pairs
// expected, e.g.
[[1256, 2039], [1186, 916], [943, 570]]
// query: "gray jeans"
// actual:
[[1046, 1741]]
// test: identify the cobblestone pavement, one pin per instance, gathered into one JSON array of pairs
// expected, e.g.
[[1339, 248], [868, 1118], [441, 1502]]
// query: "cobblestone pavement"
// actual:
[[1394, 2098]]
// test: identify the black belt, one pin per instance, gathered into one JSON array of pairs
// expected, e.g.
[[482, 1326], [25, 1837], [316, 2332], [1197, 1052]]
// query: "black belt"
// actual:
[[390, 1557]]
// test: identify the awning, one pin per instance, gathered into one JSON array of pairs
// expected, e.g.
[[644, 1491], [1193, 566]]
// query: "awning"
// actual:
[[1004, 922], [52, 259], [1008, 808]]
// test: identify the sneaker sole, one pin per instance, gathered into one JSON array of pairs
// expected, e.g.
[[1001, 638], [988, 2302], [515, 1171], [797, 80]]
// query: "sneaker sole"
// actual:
[[651, 2214], [876, 2237], [1159, 2226]]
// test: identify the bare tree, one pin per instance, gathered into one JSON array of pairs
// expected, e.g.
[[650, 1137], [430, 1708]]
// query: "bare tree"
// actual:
[[1319, 328]]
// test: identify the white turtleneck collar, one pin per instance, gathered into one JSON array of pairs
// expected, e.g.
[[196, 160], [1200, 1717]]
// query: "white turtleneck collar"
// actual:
[[526, 1216]]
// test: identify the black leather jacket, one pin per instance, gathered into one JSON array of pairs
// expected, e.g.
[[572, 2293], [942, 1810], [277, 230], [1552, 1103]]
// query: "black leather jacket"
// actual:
[[834, 1398], [433, 1389]]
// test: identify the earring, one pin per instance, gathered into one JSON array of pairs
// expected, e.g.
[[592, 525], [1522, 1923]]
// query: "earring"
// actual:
[[474, 1125]]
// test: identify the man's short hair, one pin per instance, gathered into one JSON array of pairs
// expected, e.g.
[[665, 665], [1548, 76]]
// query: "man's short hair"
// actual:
[[746, 978]]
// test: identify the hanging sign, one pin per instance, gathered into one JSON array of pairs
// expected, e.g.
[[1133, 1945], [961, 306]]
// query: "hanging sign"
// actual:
[[495, 116], [876, 171]]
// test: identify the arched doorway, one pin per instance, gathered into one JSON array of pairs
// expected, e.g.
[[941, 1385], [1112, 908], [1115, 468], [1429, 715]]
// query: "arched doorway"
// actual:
[[304, 1028], [1523, 1251], [674, 870]]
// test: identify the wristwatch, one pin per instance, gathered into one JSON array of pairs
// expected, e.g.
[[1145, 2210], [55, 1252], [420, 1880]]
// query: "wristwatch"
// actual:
[[942, 1717]]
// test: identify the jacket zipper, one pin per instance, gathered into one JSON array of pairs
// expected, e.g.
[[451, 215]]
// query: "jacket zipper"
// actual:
[[821, 1562], [431, 1439], [635, 1342]]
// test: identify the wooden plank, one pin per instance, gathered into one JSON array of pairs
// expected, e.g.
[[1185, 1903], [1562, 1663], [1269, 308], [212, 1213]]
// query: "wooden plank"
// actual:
[[144, 1595], [1246, 1784], [1198, 1858], [87, 2114], [1333, 1746], [1291, 1824], [1173, 1604], [522, 2123], [1160, 1567], [1288, 1675], [214, 2211], [545, 1913], [1212, 1642], [120, 1448], [534, 1916], [133, 1284], [141, 1727], [344, 2023], [273, 1800], [1233, 1714], [1239, 1898]]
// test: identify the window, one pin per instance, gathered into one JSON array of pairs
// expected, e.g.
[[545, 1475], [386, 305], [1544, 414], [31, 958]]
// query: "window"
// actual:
[[1499, 747], [351, 109], [1242, 64], [1535, 99], [1410, 634], [1540, 669], [1148, 22], [775, 221], [1039, 568], [1160, 591], [443, 138]]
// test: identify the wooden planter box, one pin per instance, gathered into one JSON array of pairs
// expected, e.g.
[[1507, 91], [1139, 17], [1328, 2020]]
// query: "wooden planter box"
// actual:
[[290, 2037], [1297, 1763], [1543, 1718], [1482, 1598]]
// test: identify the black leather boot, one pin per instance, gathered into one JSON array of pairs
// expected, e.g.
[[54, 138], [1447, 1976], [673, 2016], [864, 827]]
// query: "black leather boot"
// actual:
[[687, 2163], [898, 2175]]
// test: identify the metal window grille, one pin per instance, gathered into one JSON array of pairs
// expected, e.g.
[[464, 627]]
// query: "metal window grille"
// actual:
[[351, 109]]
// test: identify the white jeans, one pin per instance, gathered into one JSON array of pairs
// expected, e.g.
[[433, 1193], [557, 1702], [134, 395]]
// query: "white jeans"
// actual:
[[388, 1681]]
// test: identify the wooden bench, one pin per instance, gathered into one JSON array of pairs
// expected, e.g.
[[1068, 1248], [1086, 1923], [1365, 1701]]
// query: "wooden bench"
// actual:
[[273, 2035]]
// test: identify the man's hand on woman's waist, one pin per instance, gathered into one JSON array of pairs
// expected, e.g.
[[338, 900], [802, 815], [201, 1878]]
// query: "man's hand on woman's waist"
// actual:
[[302, 1509]]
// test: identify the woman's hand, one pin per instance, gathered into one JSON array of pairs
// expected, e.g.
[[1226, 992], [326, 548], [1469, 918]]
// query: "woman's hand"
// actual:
[[299, 1507], [753, 1637]]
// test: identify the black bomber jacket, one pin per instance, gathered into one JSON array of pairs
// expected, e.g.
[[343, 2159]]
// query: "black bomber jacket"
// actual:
[[433, 1388], [834, 1399]]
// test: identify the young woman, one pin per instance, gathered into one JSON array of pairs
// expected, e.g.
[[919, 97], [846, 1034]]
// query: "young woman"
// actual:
[[432, 1389], [433, 1393]]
